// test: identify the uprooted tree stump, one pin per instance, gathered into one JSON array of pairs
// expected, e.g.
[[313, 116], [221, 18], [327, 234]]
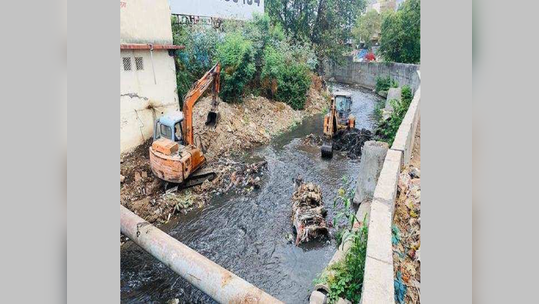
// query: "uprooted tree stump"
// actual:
[[308, 213]]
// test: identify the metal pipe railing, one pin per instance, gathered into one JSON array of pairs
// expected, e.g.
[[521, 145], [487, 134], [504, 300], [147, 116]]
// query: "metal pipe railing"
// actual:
[[215, 281]]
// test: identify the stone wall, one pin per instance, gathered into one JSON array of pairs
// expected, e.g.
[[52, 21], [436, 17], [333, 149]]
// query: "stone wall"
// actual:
[[365, 73]]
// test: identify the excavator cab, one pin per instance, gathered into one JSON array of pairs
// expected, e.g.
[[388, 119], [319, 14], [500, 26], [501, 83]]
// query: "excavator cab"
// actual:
[[338, 118], [343, 104], [169, 127]]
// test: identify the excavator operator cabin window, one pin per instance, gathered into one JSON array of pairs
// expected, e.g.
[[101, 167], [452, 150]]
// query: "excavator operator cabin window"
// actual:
[[340, 103], [166, 132], [177, 132]]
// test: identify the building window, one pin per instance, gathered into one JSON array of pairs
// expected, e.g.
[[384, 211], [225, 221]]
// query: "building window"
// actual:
[[139, 63], [127, 63]]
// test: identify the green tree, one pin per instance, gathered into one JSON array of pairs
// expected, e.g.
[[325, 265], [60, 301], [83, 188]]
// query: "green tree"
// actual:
[[401, 34], [366, 27], [326, 24]]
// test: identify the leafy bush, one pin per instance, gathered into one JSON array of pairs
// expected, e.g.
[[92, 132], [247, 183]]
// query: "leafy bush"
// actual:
[[255, 57], [387, 130], [384, 83], [346, 277], [347, 280], [236, 55], [285, 78], [292, 85], [406, 94]]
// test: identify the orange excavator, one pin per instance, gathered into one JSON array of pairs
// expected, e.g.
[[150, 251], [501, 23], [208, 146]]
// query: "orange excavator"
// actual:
[[338, 118], [174, 156]]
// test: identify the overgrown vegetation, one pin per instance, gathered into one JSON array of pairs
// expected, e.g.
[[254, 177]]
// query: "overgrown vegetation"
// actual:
[[198, 55], [256, 58], [345, 278], [387, 129], [384, 83], [286, 75], [236, 55], [401, 33], [324, 24]]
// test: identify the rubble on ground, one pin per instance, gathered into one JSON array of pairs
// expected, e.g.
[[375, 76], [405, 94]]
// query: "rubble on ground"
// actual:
[[308, 212], [146, 196], [249, 124], [406, 234]]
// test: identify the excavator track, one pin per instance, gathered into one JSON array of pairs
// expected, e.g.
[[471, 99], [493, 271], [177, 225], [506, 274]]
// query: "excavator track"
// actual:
[[197, 178]]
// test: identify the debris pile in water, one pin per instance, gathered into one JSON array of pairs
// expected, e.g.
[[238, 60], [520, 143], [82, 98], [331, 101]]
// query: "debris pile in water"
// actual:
[[308, 212], [244, 177], [351, 141]]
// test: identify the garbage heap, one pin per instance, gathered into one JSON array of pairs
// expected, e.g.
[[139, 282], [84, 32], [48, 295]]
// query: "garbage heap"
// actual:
[[351, 141], [308, 212]]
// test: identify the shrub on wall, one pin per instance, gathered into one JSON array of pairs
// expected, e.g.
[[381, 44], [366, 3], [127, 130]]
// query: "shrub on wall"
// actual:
[[236, 55], [384, 83], [387, 130]]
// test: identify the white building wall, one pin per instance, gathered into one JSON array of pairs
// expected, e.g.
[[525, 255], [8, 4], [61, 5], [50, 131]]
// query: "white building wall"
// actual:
[[143, 98]]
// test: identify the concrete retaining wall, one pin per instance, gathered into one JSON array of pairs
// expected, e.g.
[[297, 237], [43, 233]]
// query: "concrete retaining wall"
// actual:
[[365, 73], [378, 284], [404, 140]]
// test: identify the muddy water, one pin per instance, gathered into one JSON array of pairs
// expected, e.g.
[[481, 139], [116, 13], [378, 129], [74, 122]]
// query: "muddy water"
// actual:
[[248, 234]]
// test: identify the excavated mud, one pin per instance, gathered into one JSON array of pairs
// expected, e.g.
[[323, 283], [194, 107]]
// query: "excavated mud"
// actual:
[[348, 142]]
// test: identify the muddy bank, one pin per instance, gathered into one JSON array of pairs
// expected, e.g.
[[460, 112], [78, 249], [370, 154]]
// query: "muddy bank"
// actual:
[[241, 127]]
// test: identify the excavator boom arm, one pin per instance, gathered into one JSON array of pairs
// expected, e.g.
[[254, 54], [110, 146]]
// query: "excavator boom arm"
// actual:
[[197, 90]]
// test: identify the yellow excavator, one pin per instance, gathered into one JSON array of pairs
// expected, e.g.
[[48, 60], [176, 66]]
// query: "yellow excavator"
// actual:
[[338, 118], [174, 156]]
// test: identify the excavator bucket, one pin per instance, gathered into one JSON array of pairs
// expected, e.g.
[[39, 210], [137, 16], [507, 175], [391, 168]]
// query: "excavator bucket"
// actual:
[[212, 118], [327, 149]]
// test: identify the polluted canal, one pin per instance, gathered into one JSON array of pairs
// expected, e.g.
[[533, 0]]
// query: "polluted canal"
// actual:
[[250, 234]]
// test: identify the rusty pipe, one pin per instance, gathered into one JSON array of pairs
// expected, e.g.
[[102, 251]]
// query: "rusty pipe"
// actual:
[[215, 281]]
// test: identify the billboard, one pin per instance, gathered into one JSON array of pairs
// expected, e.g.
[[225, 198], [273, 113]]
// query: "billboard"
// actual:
[[226, 9]]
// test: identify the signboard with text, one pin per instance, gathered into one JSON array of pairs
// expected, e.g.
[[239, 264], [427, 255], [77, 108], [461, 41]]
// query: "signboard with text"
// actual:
[[226, 9]]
